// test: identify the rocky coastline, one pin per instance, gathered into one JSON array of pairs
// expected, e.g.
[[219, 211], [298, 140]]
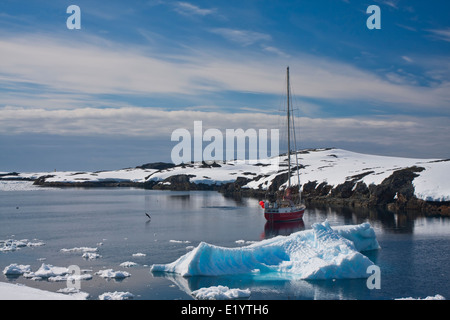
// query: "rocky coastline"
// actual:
[[395, 193], [331, 177]]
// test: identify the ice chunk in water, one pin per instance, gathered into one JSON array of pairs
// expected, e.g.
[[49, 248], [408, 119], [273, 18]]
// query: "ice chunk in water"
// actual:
[[320, 253]]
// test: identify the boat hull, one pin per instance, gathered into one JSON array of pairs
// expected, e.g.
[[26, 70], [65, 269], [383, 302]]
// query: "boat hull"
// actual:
[[288, 214]]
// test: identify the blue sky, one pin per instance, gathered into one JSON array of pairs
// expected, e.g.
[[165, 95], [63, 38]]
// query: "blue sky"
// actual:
[[109, 95]]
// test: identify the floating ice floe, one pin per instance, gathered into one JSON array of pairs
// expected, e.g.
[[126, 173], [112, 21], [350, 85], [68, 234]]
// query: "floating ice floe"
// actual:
[[80, 249], [110, 273], [128, 264], [436, 297], [220, 293], [46, 271], [320, 253], [116, 295], [13, 245], [91, 255], [179, 241], [70, 291], [16, 269], [88, 252], [138, 254], [73, 277], [35, 244]]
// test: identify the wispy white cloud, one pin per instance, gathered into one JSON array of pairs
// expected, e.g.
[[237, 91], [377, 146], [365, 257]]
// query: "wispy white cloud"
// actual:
[[134, 121], [390, 3], [246, 38], [242, 37], [440, 34], [39, 68], [276, 51], [407, 59], [186, 8], [409, 28]]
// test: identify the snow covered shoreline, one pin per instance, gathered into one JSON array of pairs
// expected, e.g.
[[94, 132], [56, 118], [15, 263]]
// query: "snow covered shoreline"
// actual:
[[328, 175]]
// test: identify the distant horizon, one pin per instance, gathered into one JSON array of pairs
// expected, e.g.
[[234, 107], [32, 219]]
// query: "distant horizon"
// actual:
[[106, 91]]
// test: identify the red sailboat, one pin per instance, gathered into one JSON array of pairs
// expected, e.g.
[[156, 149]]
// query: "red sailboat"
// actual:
[[288, 206]]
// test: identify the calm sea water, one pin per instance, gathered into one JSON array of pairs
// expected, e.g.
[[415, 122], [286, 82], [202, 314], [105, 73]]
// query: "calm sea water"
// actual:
[[413, 260]]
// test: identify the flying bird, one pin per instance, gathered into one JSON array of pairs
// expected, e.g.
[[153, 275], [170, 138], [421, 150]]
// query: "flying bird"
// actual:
[[148, 215]]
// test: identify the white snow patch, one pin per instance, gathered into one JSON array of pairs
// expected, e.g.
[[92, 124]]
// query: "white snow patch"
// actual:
[[433, 183], [132, 174]]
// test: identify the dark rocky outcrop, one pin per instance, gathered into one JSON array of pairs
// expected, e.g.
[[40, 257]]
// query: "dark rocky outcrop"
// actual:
[[234, 189], [356, 193], [396, 193], [396, 185], [181, 182], [156, 165]]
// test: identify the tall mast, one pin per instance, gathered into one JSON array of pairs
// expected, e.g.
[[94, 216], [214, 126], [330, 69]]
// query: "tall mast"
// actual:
[[288, 128]]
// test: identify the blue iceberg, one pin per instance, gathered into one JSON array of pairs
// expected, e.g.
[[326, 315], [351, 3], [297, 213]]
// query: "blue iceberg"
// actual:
[[319, 253]]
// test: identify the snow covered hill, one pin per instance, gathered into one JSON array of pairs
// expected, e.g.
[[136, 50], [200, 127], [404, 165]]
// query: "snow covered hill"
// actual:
[[324, 174]]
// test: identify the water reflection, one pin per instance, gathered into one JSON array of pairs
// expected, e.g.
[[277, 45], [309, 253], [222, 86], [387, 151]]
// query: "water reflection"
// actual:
[[273, 229], [380, 218], [276, 289]]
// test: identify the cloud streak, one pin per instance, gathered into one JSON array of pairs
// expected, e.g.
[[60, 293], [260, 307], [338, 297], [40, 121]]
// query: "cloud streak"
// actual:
[[59, 67], [441, 34], [242, 37], [186, 8]]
